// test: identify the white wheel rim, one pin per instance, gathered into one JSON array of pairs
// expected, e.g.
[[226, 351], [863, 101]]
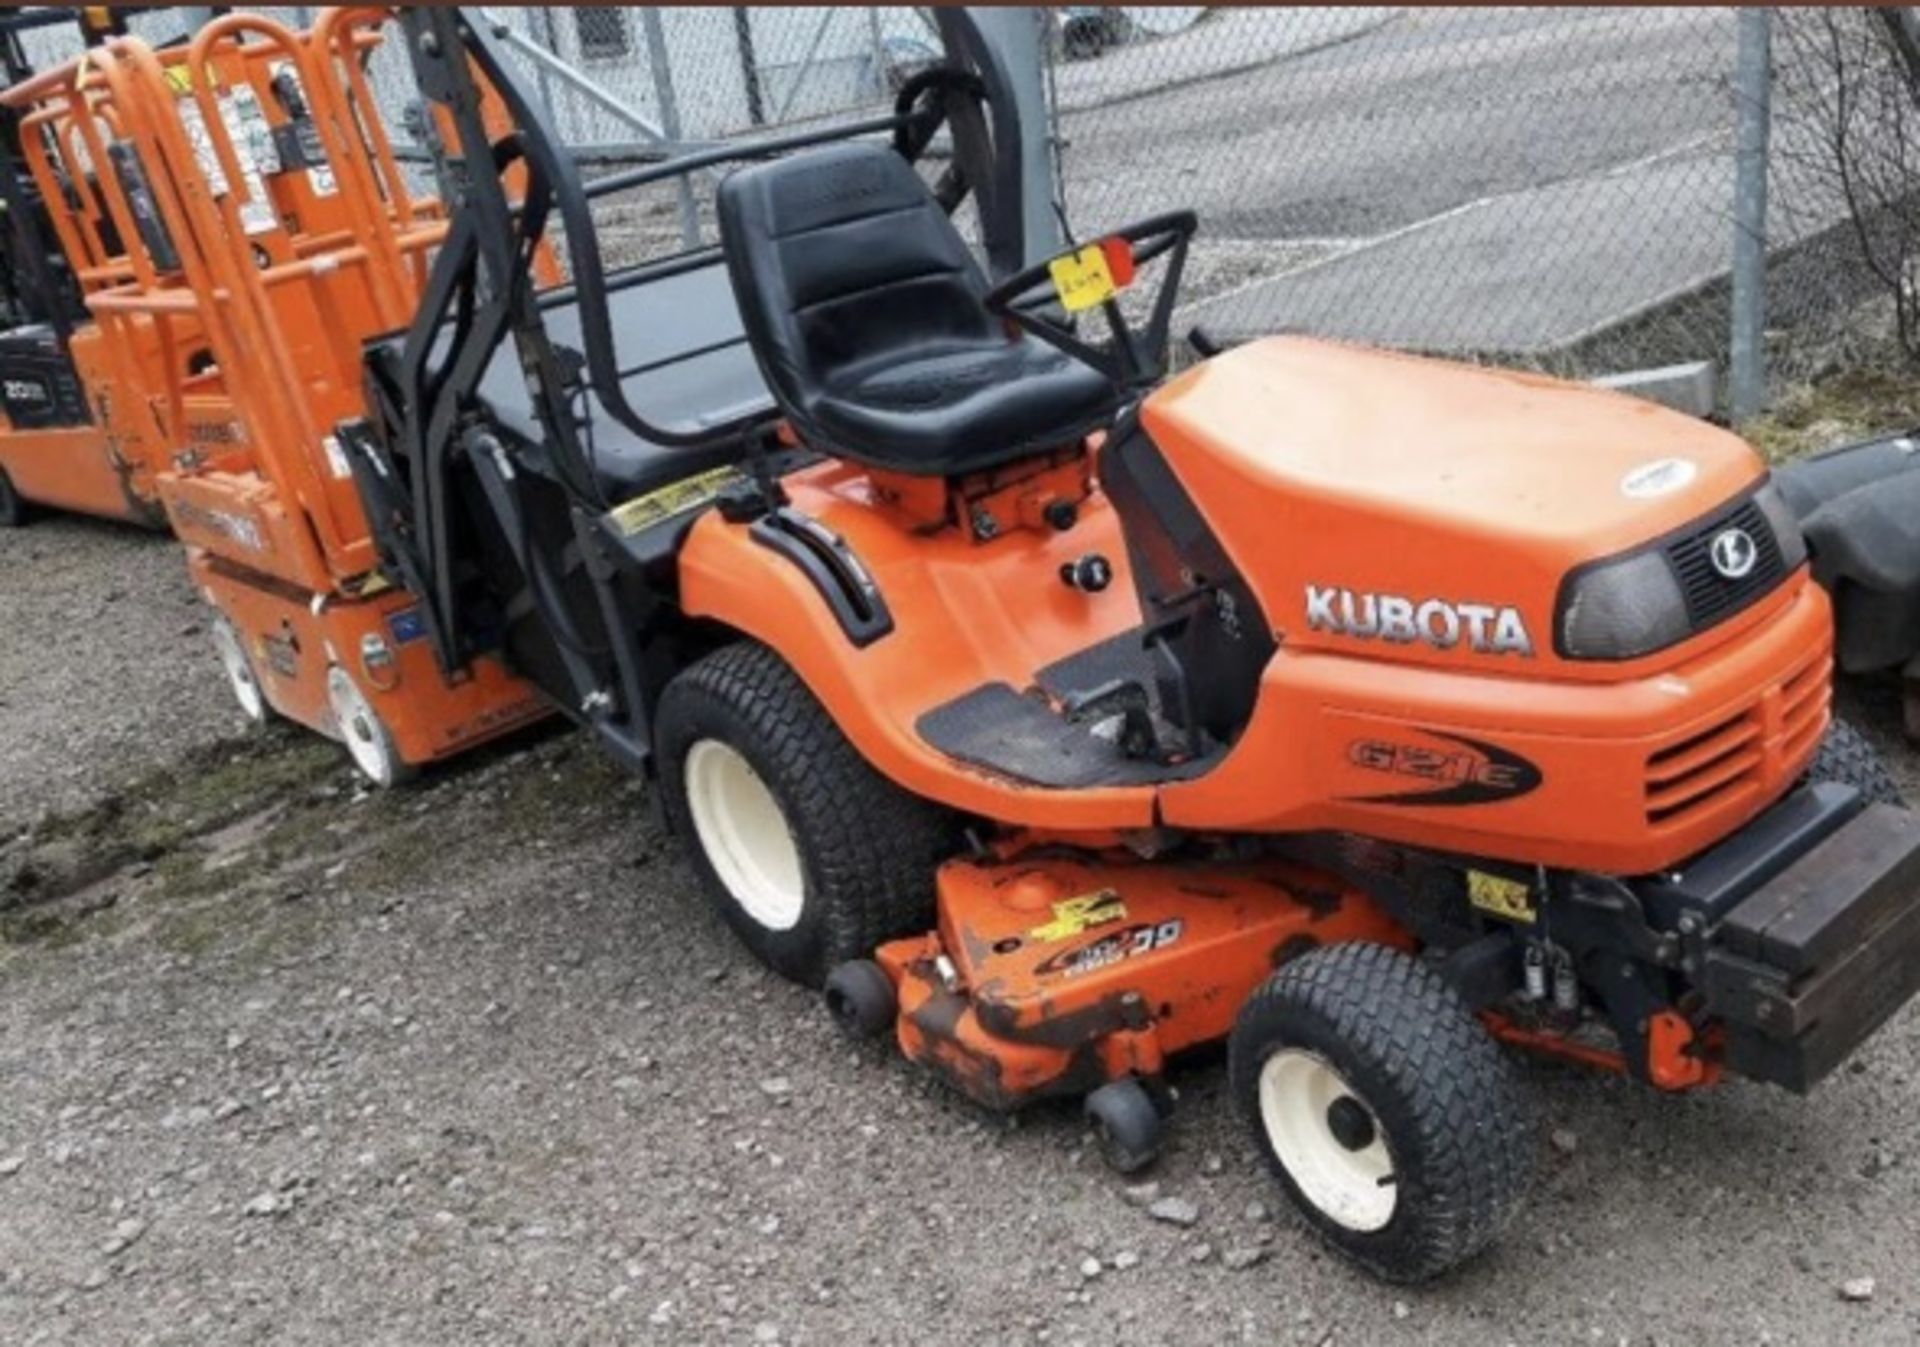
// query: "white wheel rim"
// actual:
[[1350, 1185], [745, 835], [233, 657], [366, 738]]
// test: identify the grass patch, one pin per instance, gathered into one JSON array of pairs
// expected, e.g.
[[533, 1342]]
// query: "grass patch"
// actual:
[[1850, 404]]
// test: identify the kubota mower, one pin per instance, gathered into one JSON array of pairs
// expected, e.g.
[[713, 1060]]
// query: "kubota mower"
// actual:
[[1364, 711], [262, 205]]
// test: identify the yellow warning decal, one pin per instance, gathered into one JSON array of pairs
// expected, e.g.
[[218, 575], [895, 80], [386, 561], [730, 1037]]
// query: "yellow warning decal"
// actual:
[[1083, 279], [1500, 897], [643, 512], [180, 78], [1083, 913]]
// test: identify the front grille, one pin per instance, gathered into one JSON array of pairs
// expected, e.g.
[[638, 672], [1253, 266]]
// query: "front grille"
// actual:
[[1701, 769], [1711, 597], [1744, 751]]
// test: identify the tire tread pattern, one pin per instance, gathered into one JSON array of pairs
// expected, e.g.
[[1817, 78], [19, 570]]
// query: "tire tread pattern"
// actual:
[[1472, 1148], [1848, 757], [869, 848]]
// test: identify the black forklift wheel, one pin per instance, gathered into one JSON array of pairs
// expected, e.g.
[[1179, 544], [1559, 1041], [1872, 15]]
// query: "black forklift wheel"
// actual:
[[861, 999], [1848, 757], [1384, 1108], [1128, 1123], [13, 510], [811, 855]]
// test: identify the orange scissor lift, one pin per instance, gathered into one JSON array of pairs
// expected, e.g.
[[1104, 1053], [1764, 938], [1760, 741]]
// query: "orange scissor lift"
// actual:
[[74, 434], [262, 208]]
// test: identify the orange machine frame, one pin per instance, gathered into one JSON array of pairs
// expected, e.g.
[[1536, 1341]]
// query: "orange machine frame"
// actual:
[[284, 294]]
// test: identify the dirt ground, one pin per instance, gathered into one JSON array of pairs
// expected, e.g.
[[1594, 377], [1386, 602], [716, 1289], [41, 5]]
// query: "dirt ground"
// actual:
[[283, 1061]]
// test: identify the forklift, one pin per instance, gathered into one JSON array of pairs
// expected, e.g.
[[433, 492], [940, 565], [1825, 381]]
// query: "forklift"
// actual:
[[1055, 717]]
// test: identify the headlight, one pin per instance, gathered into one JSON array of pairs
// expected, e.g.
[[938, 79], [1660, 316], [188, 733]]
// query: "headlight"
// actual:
[[1785, 526], [1643, 601], [1621, 609]]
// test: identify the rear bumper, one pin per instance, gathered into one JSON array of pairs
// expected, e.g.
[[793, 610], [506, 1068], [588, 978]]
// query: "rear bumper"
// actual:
[[1801, 972]]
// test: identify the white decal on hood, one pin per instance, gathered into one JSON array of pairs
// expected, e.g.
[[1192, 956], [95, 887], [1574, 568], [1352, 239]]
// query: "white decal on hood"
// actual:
[[1661, 477]]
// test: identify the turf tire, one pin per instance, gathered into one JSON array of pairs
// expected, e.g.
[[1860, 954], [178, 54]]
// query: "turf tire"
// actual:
[[867, 849], [1456, 1123], [1849, 758]]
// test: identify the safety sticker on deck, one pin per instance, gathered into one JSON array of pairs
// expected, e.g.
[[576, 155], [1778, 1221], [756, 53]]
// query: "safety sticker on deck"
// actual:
[[1075, 915]]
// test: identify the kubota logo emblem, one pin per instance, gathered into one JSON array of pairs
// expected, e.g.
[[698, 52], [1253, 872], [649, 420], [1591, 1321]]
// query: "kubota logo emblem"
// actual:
[[1733, 553], [1487, 629]]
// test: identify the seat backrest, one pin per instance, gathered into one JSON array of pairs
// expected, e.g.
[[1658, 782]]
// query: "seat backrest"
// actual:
[[837, 255]]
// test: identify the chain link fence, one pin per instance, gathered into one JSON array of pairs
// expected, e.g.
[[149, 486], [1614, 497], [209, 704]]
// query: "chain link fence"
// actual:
[[1550, 187], [1844, 222], [1545, 187]]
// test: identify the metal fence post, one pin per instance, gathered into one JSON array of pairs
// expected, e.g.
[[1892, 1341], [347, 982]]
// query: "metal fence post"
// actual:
[[670, 118], [1753, 85], [749, 65]]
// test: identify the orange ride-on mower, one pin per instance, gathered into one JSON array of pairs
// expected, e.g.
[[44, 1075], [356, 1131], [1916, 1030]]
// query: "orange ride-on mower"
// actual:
[[262, 202], [1365, 712], [64, 436]]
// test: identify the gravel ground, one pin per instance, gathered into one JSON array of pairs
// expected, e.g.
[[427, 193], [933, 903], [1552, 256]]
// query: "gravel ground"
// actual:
[[473, 1064], [106, 668]]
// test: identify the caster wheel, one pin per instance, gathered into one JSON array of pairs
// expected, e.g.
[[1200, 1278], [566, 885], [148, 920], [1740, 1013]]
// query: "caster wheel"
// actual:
[[240, 675], [13, 510], [1128, 1123], [369, 742], [861, 999]]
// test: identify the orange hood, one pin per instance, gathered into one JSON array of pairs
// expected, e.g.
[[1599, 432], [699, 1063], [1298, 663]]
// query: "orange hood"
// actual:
[[1326, 467]]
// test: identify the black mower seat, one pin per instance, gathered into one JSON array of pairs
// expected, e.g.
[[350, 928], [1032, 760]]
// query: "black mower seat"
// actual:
[[863, 305], [686, 367]]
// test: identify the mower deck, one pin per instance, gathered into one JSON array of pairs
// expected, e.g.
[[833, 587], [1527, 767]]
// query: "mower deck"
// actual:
[[1050, 976]]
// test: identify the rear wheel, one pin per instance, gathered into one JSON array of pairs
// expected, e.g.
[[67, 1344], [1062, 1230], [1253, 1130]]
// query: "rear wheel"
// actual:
[[369, 742], [239, 666], [13, 510], [1849, 758], [1385, 1110], [811, 856]]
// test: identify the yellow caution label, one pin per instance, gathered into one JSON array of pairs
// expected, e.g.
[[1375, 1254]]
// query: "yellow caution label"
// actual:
[[179, 79], [1083, 913], [1500, 897], [643, 512], [1083, 279]]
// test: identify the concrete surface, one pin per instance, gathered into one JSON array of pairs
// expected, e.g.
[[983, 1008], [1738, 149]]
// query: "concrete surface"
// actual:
[[1497, 180]]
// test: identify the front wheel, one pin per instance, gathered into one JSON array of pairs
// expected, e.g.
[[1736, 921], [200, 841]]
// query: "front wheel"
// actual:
[[1387, 1113], [811, 855], [1849, 758], [369, 742]]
